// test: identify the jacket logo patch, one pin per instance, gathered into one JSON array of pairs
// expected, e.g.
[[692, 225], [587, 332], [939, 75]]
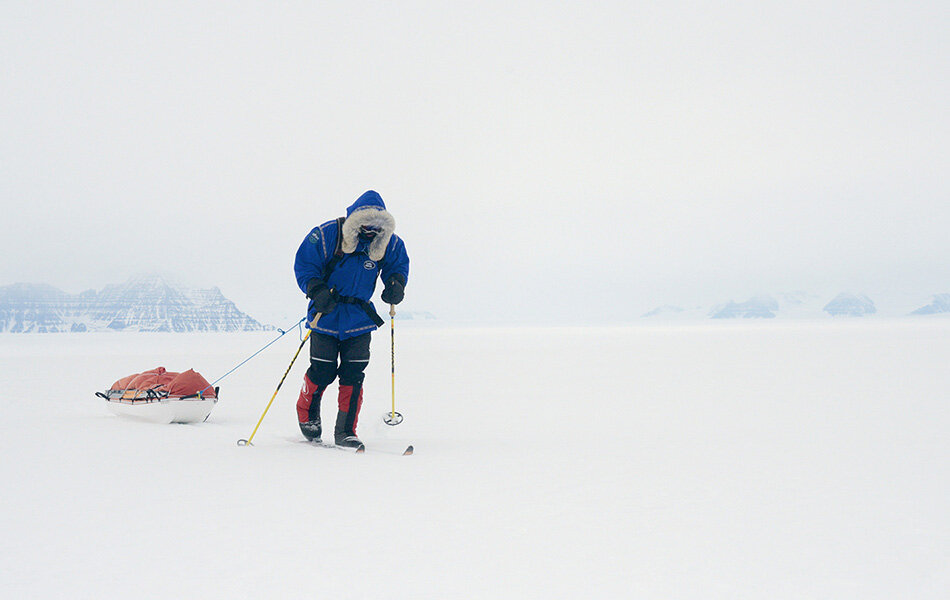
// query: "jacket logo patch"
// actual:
[[314, 237], [369, 265]]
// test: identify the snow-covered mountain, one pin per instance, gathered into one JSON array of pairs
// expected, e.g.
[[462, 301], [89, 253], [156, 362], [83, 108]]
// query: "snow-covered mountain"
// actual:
[[761, 306], [667, 310], [410, 315], [757, 307], [850, 305], [805, 305], [940, 305], [143, 303]]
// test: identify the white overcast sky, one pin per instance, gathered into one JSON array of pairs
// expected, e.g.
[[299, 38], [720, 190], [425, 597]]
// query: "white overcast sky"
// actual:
[[558, 159]]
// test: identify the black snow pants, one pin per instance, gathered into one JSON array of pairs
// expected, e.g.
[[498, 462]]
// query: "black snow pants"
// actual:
[[353, 354]]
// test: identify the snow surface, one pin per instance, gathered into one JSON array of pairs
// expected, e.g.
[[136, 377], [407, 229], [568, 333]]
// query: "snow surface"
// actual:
[[727, 460]]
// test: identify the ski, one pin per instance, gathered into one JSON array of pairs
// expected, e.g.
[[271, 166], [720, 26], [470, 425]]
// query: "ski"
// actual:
[[407, 451], [362, 449], [355, 450]]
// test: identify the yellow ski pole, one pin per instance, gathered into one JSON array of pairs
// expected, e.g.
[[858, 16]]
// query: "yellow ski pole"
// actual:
[[393, 418], [247, 442], [392, 352]]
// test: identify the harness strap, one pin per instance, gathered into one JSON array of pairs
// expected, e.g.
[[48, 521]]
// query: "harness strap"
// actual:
[[366, 306], [337, 252], [337, 257]]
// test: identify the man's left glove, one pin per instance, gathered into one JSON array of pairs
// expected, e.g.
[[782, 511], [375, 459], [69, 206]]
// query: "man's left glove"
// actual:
[[321, 295], [395, 289]]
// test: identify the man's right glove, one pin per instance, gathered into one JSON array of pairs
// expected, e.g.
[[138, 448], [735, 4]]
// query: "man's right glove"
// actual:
[[321, 295], [395, 289]]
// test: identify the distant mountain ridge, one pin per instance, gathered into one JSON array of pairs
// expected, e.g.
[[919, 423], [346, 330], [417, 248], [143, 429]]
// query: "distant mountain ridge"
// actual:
[[757, 307], [143, 303], [797, 305], [414, 315]]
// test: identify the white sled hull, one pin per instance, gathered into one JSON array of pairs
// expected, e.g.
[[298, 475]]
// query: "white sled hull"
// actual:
[[165, 411]]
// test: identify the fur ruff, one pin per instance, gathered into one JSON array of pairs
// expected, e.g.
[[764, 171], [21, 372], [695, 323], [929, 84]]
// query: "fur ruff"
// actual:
[[373, 217]]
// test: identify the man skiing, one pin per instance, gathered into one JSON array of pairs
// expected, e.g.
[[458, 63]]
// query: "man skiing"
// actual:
[[336, 267]]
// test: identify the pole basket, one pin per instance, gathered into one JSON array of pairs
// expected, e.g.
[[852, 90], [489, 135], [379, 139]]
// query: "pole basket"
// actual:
[[392, 418]]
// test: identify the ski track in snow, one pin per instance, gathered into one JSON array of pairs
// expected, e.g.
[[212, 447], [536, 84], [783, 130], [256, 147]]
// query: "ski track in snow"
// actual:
[[703, 461]]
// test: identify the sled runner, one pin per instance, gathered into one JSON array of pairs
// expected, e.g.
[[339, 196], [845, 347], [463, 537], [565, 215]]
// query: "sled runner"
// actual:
[[161, 396]]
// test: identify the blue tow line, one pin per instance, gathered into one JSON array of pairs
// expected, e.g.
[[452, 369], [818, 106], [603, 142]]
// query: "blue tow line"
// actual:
[[282, 334]]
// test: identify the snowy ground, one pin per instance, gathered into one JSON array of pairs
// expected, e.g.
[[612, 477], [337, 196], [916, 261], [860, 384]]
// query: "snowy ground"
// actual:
[[752, 460]]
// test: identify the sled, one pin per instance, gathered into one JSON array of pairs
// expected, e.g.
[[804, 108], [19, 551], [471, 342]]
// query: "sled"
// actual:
[[160, 396]]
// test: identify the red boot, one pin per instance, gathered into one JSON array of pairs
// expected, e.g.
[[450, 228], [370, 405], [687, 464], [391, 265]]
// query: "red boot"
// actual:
[[308, 410], [350, 402]]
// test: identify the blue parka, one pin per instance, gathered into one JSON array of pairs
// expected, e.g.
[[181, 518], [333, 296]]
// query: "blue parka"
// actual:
[[356, 272]]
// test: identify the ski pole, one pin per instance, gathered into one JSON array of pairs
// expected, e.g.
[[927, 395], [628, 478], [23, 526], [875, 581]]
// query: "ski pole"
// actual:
[[392, 353], [393, 418], [247, 442]]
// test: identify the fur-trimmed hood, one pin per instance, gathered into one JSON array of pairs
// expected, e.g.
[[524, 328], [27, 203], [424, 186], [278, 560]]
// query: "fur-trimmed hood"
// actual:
[[368, 210]]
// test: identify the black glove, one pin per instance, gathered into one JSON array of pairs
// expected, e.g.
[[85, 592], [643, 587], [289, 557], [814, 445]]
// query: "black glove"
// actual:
[[321, 295], [395, 290]]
